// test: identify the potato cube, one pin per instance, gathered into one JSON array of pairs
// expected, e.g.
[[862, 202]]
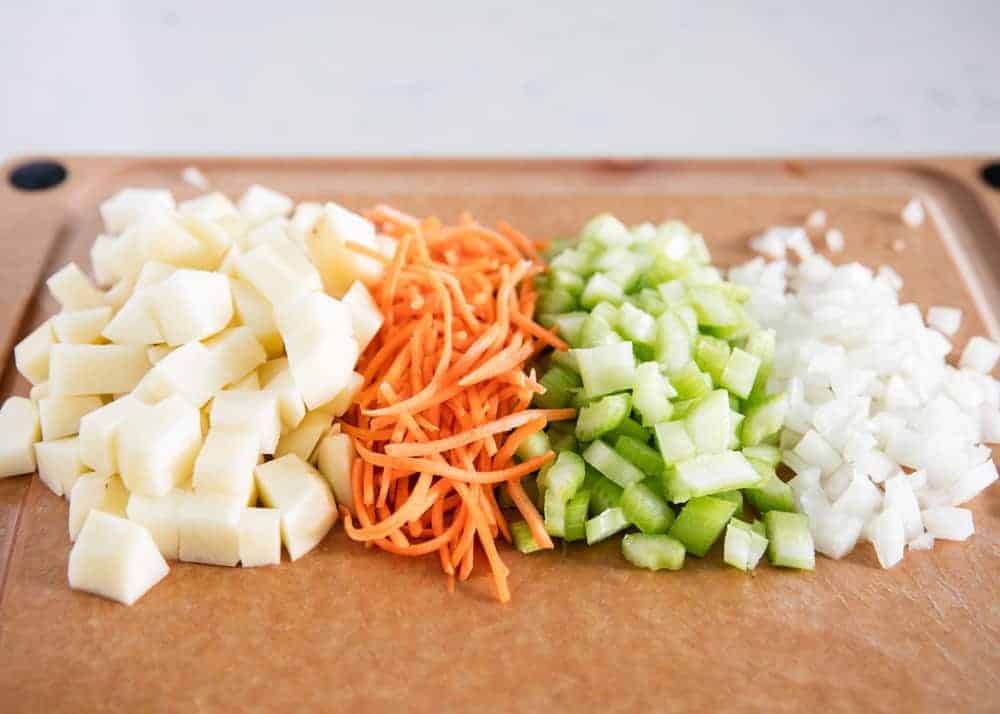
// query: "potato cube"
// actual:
[[338, 265], [157, 446], [73, 290], [161, 517], [272, 275], [119, 294], [32, 354], [99, 433], [226, 463], [260, 537], [304, 221], [303, 440], [115, 558], [95, 492], [214, 239], [19, 431], [319, 339], [156, 353], [60, 416], [134, 323], [273, 230], [191, 371], [255, 311], [163, 237], [59, 464], [102, 259], [277, 378], [192, 305], [336, 458], [237, 353], [308, 509], [259, 204], [209, 207], [96, 369], [256, 412], [128, 205], [365, 315], [81, 327], [250, 383], [39, 392], [339, 405], [209, 529]]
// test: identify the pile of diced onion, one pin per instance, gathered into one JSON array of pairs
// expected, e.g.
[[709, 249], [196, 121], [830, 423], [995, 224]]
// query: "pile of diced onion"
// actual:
[[884, 436], [185, 403]]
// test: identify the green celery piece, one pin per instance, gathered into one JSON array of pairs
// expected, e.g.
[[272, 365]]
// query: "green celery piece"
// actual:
[[690, 382], [604, 494], [674, 442], [636, 325], [763, 420], [682, 408], [566, 360], [580, 400], [524, 541], [606, 230], [645, 509], [770, 455], [711, 355], [673, 342], [601, 416], [561, 386], [672, 292], [736, 331], [607, 312], [611, 259], [572, 261], [653, 552], [555, 514], [699, 250], [555, 301], [626, 276], [606, 369], [566, 280], [639, 454], [562, 436], [758, 527], [771, 495], [736, 496], [761, 344], [565, 477], [737, 293], [535, 445], [740, 373], [713, 307], [790, 544], [701, 522], [649, 301], [597, 331], [743, 547], [628, 427], [606, 524], [689, 317], [570, 326], [576, 516], [651, 395], [736, 424], [709, 423], [709, 474], [601, 288], [663, 269], [611, 464]]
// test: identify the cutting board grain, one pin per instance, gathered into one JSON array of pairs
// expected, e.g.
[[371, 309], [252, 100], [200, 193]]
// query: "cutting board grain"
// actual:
[[351, 629]]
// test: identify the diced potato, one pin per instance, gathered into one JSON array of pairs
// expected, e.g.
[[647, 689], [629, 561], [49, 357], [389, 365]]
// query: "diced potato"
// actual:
[[99, 433], [250, 383], [339, 405], [60, 416], [119, 294], [308, 509], [304, 221], [192, 305], [260, 537], [154, 272], [157, 446], [209, 207], [275, 229], [303, 440], [134, 323], [255, 311], [156, 353], [115, 558], [253, 411], [365, 315], [319, 340], [260, 204], [163, 237], [59, 464], [19, 430], [32, 354], [271, 275], [128, 257], [339, 265], [336, 458], [226, 463], [237, 353], [209, 529], [191, 371], [81, 327], [102, 259], [96, 369], [214, 239], [129, 204], [39, 392], [276, 377], [95, 492], [73, 290], [161, 517]]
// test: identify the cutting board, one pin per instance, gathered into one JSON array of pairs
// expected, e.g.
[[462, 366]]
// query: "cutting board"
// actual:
[[351, 629]]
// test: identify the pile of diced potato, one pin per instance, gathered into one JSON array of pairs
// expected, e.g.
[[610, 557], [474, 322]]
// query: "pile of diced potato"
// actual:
[[199, 377]]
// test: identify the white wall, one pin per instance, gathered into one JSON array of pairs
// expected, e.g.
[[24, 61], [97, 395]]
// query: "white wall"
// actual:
[[457, 77]]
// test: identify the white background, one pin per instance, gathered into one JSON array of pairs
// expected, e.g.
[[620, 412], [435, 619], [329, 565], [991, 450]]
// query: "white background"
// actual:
[[465, 77]]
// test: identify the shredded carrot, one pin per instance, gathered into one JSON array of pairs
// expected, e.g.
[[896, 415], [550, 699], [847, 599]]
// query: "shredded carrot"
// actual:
[[446, 394]]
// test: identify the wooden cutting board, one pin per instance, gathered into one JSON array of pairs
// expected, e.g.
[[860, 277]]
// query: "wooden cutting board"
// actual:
[[351, 629]]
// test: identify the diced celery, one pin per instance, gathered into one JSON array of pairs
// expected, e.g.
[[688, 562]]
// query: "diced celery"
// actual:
[[604, 494], [596, 331], [699, 251], [734, 496], [645, 509], [580, 400], [736, 424], [701, 522], [761, 345], [571, 260], [562, 436], [524, 541], [576, 516], [565, 280], [711, 355], [641, 455], [714, 309], [674, 442], [607, 312], [636, 325], [607, 230], [653, 552], [606, 369], [689, 317], [764, 419], [709, 474], [612, 465], [672, 292], [602, 416], [758, 527], [570, 326], [709, 423], [770, 455], [601, 288], [555, 515], [772, 494], [690, 382], [743, 548], [565, 477], [628, 427], [553, 302], [566, 360], [626, 276], [682, 408], [790, 543], [535, 445], [606, 524], [560, 387], [652, 393], [611, 259], [673, 342], [662, 269], [734, 291], [738, 330], [740, 373], [649, 301]]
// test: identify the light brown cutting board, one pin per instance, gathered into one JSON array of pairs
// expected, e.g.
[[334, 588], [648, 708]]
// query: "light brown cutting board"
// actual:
[[356, 630]]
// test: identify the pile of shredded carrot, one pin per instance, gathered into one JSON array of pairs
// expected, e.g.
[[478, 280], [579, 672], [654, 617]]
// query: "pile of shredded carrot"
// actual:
[[445, 401]]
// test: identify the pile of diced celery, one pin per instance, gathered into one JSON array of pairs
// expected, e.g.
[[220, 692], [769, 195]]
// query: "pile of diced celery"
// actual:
[[676, 438]]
